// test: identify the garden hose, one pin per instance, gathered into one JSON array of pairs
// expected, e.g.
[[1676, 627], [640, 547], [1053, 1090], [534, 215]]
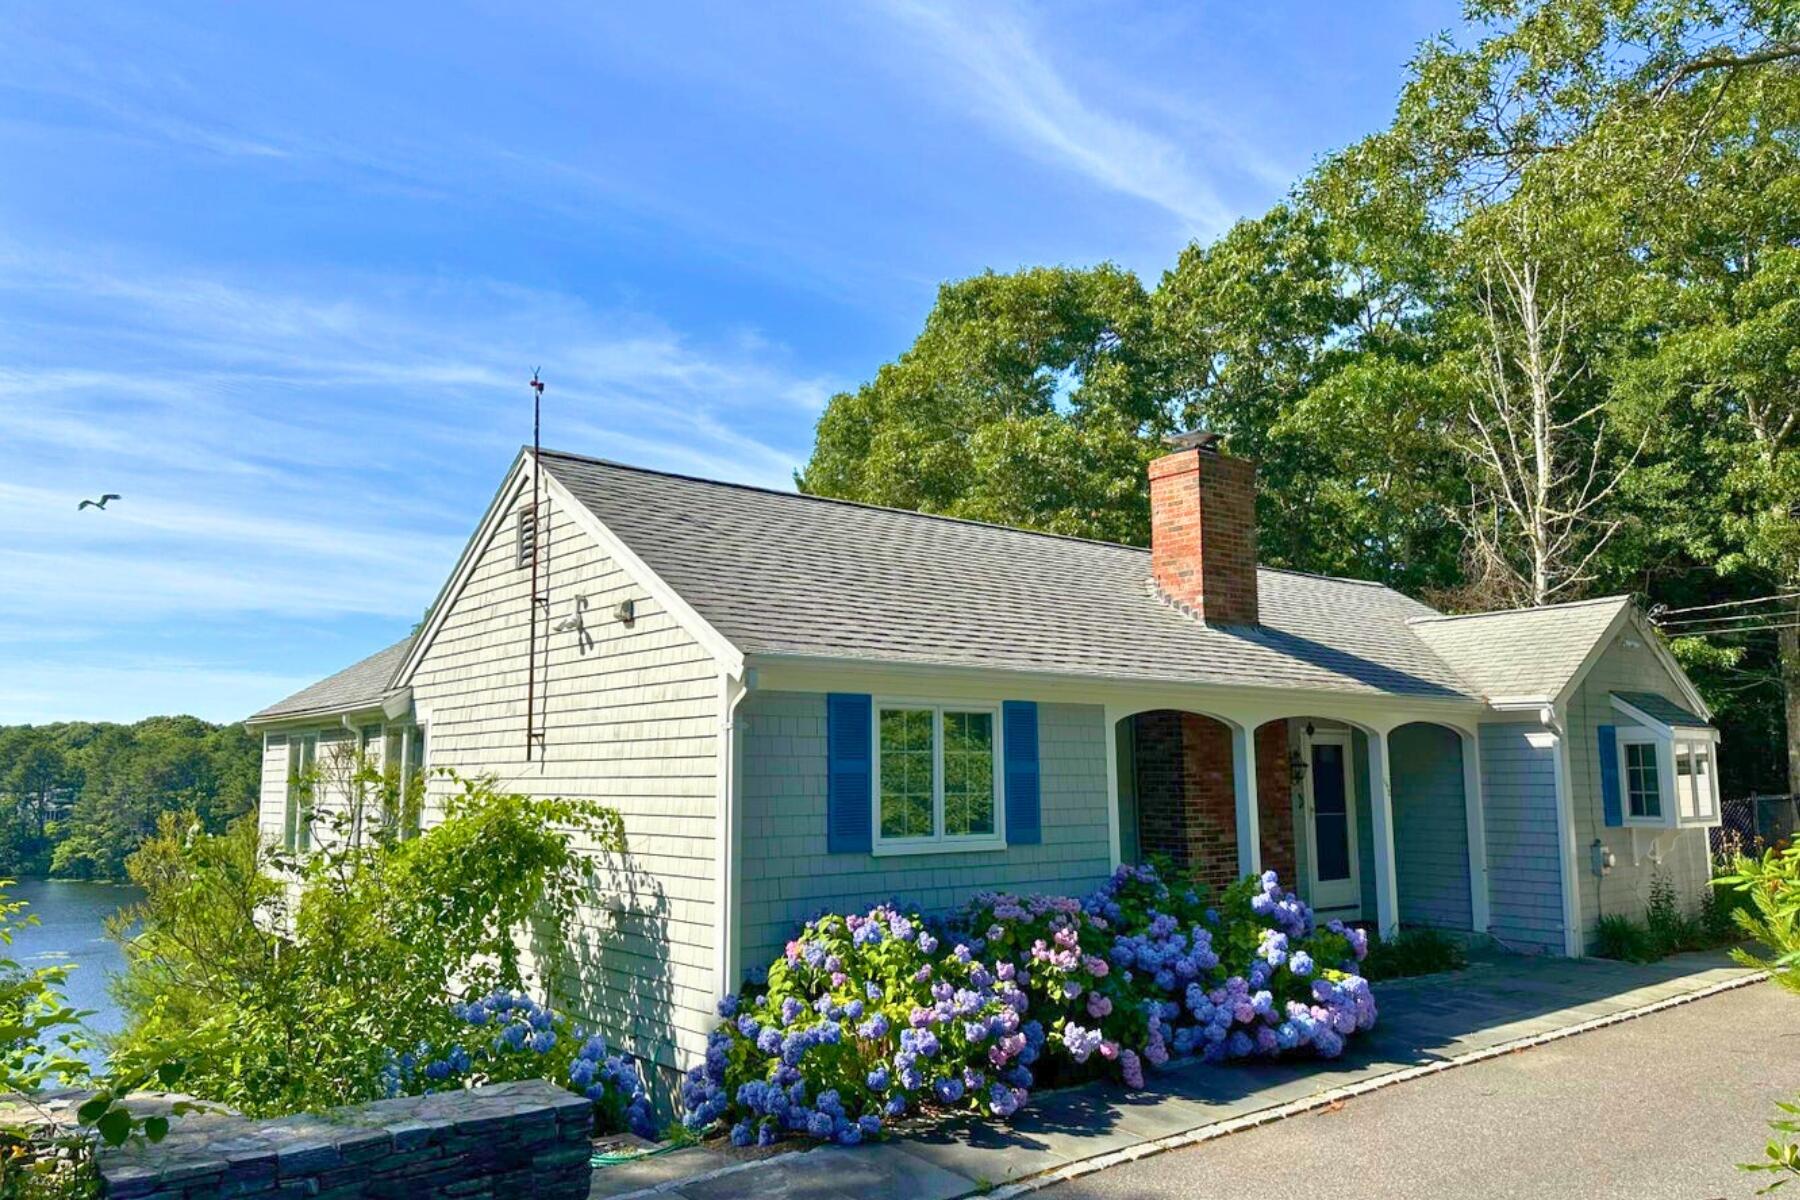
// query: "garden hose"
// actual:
[[612, 1158]]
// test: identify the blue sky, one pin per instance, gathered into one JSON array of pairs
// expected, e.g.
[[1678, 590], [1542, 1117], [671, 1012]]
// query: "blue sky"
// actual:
[[277, 273]]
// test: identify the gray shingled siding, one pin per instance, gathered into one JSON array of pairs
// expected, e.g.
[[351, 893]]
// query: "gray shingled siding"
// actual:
[[631, 718], [1524, 868], [1431, 826], [1624, 667], [787, 876]]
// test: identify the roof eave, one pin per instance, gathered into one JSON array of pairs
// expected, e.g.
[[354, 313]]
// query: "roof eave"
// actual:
[[391, 706], [790, 659]]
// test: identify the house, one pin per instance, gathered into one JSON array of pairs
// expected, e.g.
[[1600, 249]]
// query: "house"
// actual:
[[801, 704]]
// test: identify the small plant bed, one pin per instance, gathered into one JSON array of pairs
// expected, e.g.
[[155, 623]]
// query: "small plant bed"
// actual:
[[1665, 929], [1412, 953], [878, 1017]]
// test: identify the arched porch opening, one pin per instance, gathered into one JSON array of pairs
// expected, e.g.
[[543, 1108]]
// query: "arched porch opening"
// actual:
[[1437, 873], [1178, 795]]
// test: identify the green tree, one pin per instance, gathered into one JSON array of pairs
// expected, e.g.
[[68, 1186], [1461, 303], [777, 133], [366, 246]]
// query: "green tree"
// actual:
[[1026, 400]]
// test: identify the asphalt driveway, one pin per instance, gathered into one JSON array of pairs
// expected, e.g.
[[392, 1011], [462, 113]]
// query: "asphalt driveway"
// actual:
[[1662, 1106]]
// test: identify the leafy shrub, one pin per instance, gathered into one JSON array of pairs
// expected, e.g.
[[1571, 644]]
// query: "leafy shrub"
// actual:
[[1781, 1155], [297, 983], [1771, 885], [42, 1042], [1617, 936], [1670, 929], [1416, 951], [869, 1017]]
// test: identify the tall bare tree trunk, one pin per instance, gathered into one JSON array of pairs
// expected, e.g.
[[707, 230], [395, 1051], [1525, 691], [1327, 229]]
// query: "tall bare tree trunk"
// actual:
[[1790, 692]]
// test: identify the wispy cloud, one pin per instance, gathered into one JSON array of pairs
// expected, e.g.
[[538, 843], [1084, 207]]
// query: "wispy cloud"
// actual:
[[302, 457], [1012, 82]]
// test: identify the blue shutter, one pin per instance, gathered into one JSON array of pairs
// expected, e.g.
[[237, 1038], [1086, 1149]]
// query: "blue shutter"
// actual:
[[849, 774], [1609, 777], [1023, 824]]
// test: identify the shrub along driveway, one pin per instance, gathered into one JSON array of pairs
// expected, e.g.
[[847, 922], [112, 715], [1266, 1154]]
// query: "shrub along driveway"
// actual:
[[1659, 1107], [1426, 1025]]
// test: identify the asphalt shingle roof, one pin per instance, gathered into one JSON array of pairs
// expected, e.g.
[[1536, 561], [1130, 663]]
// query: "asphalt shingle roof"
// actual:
[[356, 686], [1663, 709], [780, 573], [1526, 652]]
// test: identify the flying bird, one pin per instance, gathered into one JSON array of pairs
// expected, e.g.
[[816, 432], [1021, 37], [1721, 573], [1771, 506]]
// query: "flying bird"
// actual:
[[100, 503]]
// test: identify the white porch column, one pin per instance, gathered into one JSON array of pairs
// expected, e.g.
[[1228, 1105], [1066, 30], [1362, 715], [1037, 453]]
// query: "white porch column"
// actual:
[[1381, 821], [1475, 815], [1243, 775], [1112, 785]]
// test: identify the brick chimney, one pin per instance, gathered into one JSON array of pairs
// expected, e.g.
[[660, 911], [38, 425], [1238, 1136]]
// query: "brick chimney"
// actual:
[[1203, 530]]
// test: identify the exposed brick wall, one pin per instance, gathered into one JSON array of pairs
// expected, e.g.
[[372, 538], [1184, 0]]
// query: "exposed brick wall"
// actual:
[[1203, 534], [1274, 800], [1187, 802], [1186, 807]]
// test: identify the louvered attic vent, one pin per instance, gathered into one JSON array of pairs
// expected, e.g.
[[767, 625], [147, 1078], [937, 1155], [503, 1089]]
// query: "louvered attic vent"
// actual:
[[527, 536]]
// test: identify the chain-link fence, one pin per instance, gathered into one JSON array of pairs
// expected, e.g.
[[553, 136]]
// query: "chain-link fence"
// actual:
[[1752, 823]]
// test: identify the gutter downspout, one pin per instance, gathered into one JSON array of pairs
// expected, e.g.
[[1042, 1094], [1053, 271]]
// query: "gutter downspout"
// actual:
[[727, 964]]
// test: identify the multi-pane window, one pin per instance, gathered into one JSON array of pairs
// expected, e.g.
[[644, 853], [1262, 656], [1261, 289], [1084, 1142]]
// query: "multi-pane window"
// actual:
[[403, 770], [1694, 780], [1643, 784], [938, 768], [296, 829], [969, 774]]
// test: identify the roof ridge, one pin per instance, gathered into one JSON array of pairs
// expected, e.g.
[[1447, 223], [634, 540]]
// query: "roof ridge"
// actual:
[[1510, 612], [596, 460], [862, 504]]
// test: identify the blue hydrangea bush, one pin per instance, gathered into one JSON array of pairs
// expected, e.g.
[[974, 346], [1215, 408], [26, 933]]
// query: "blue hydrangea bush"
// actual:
[[870, 1017], [865, 1019], [1137, 972], [506, 1036]]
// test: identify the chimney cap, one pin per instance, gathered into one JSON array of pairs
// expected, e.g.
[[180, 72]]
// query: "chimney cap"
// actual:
[[1195, 439]]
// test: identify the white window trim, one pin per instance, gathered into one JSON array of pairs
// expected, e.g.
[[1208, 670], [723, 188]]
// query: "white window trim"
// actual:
[[939, 842], [1630, 736], [1666, 745], [1689, 743], [296, 820]]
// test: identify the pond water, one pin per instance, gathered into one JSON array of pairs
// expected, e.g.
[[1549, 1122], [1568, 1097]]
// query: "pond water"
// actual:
[[71, 929]]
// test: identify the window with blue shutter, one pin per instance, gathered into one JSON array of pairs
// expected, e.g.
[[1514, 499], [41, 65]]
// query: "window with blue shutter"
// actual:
[[1612, 809], [849, 777], [1024, 826]]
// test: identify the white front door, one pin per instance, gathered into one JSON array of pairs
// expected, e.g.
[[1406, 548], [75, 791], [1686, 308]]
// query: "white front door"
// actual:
[[1331, 827]]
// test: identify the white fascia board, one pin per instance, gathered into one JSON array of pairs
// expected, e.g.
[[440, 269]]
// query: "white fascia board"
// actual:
[[728, 656], [315, 717], [516, 477], [810, 672], [1518, 704]]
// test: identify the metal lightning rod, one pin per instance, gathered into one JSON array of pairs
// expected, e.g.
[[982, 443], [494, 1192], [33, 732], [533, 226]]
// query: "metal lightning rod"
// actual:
[[537, 414]]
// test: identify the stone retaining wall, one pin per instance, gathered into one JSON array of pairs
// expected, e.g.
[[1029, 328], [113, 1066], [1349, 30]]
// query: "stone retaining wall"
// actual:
[[511, 1140]]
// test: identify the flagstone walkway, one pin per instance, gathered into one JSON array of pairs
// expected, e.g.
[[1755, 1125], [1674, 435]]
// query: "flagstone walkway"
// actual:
[[1427, 1025]]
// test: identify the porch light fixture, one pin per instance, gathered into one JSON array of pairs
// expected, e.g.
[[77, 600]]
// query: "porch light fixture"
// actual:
[[1297, 767]]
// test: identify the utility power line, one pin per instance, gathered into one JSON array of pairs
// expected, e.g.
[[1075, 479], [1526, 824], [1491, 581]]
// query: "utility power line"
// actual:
[[1733, 629], [1671, 612], [1723, 620]]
